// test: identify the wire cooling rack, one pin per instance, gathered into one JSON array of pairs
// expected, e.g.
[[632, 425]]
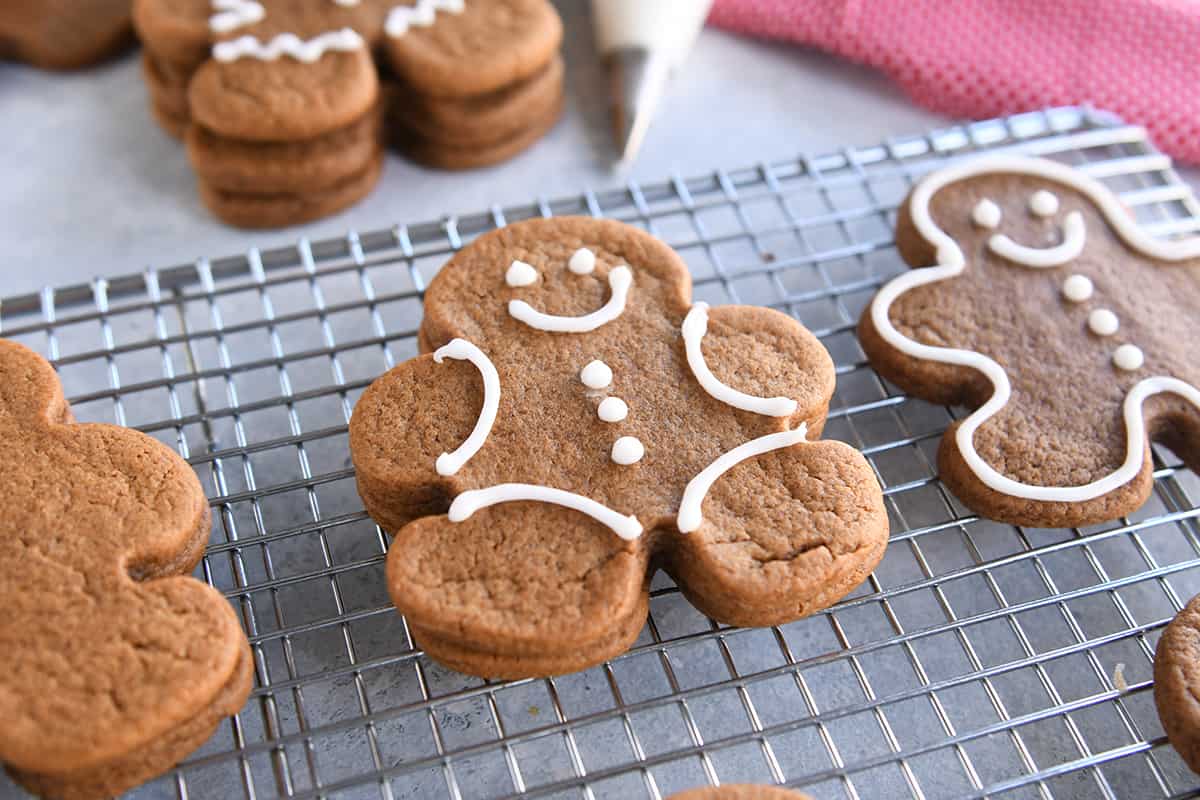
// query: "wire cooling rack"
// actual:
[[979, 660]]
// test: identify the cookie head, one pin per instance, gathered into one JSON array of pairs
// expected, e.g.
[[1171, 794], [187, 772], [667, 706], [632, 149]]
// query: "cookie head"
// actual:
[[113, 665], [577, 422], [1038, 302]]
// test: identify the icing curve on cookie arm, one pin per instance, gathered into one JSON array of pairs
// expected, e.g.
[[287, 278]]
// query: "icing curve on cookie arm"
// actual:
[[462, 350], [951, 262], [467, 503], [690, 515], [619, 280], [695, 326]]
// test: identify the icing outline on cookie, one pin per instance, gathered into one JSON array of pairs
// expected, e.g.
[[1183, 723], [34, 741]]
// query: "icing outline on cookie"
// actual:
[[422, 15], [695, 326], [233, 14], [462, 350], [690, 515], [467, 503], [619, 280], [307, 51], [950, 262]]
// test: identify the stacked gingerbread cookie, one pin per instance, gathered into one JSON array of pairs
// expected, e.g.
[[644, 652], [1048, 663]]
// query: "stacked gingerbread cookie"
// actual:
[[280, 104]]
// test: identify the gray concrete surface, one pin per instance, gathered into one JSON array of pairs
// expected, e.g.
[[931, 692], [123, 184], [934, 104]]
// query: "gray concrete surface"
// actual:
[[91, 186]]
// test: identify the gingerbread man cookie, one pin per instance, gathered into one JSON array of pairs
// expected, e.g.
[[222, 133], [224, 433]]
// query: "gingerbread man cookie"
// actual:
[[1177, 682], [577, 422], [1040, 304], [281, 106], [64, 34], [114, 664]]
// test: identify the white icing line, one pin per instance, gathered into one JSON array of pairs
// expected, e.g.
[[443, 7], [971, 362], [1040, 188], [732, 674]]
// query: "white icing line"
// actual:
[[695, 325], [951, 262], [422, 15], [986, 214], [288, 44], [1128, 357], [1074, 236], [1043, 203], [462, 350], [234, 14], [628, 450], [1103, 322], [1078, 288], [690, 515], [520, 274], [347, 3], [467, 503], [612, 409], [619, 280], [596, 375]]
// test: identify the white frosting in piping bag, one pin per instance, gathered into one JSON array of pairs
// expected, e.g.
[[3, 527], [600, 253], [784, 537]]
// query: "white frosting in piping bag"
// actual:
[[422, 15], [288, 44], [234, 14], [690, 515], [951, 262], [462, 350], [619, 281], [467, 503], [695, 325]]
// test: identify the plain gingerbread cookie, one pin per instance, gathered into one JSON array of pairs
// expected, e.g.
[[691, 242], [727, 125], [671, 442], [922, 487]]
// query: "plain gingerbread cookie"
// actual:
[[539, 462], [1039, 303], [114, 664]]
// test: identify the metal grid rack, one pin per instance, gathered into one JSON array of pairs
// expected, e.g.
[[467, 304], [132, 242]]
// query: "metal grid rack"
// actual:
[[979, 660]]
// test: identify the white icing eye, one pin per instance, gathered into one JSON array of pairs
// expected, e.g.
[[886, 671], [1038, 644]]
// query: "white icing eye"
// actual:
[[596, 375], [1103, 322], [1077, 288], [1128, 357], [520, 274], [612, 409], [582, 262], [1043, 203], [986, 214], [628, 450]]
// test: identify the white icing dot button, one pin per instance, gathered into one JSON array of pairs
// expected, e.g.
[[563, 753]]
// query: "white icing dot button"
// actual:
[[612, 409], [1127, 357], [628, 450], [1043, 203], [986, 214], [596, 375], [1103, 322], [520, 274], [582, 262], [1077, 288]]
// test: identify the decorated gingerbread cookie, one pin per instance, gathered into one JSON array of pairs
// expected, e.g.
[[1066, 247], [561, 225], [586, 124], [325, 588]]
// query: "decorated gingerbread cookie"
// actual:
[[1177, 682], [64, 34], [577, 422], [114, 664], [287, 84], [1039, 303]]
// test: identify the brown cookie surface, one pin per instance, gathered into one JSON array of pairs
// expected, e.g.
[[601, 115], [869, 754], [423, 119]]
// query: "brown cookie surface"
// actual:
[[277, 210], [534, 588], [1177, 682], [266, 167], [64, 34], [740, 791], [115, 663], [1078, 340]]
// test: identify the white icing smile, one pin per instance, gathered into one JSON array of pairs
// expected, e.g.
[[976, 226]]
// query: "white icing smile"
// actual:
[[1074, 234], [619, 281]]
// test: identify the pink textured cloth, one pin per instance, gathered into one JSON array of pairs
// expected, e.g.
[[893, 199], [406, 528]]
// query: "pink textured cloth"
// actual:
[[985, 58]]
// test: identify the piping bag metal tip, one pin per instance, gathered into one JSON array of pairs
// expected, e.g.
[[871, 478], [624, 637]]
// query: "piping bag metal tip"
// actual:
[[637, 78]]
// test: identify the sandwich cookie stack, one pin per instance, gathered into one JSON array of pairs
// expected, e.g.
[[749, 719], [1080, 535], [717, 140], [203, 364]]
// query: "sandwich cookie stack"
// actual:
[[471, 82], [280, 108]]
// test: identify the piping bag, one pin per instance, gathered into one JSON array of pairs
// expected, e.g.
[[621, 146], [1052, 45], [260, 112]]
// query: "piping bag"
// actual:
[[643, 42]]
